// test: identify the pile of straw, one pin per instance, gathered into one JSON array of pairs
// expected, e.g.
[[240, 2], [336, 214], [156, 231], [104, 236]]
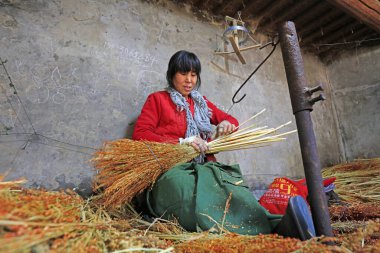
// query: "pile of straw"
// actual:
[[358, 181], [126, 167], [43, 221], [349, 218], [356, 211], [232, 243], [364, 239], [358, 185]]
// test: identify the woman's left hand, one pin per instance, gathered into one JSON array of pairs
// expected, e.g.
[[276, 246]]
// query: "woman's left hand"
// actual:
[[196, 142], [224, 128]]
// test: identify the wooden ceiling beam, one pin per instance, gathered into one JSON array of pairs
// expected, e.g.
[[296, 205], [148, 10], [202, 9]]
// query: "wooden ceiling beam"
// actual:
[[360, 34], [194, 2], [204, 5], [352, 41], [340, 34], [366, 11], [320, 21], [254, 7], [310, 14], [217, 6], [295, 9], [271, 10], [347, 39], [325, 28], [228, 8]]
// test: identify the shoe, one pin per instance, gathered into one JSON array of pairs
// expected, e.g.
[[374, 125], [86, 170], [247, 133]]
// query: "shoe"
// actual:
[[297, 221]]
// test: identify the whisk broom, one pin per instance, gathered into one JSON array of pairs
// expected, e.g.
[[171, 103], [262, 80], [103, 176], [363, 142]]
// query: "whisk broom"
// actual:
[[127, 167]]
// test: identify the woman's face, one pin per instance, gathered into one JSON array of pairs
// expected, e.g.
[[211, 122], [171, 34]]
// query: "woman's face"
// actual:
[[185, 82]]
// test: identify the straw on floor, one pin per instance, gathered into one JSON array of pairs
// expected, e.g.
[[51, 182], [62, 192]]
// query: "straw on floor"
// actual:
[[34, 220], [126, 167], [357, 181], [41, 221]]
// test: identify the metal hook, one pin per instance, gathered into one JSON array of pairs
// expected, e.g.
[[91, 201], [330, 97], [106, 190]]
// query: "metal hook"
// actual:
[[233, 98], [274, 44]]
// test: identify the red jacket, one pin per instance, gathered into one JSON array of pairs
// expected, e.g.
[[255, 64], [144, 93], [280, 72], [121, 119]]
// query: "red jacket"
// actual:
[[160, 120]]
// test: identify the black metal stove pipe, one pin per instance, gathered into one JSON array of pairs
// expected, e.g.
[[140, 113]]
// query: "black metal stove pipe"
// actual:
[[302, 106]]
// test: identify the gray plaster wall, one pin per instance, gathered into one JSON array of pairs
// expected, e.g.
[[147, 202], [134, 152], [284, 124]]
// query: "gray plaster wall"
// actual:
[[83, 69], [355, 80]]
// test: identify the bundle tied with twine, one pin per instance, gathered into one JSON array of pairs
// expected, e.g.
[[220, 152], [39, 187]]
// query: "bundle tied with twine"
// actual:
[[127, 167]]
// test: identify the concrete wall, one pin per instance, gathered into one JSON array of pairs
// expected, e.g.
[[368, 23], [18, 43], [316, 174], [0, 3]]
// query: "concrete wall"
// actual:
[[355, 79], [83, 68]]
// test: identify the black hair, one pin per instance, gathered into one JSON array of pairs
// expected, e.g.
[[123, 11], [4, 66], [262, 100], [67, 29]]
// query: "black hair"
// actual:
[[183, 61]]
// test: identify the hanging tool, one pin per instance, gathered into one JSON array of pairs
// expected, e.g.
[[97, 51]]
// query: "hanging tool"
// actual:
[[237, 34]]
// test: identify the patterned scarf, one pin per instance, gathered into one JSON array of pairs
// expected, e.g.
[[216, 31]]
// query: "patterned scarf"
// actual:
[[199, 125]]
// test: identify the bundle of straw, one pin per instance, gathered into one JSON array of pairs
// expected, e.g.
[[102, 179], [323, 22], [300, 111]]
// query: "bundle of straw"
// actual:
[[126, 167], [358, 181]]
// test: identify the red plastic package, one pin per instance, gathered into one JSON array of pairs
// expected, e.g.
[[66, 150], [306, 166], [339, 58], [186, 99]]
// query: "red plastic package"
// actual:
[[276, 198]]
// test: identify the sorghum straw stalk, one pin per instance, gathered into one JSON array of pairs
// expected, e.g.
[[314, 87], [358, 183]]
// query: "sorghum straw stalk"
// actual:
[[126, 167], [358, 181]]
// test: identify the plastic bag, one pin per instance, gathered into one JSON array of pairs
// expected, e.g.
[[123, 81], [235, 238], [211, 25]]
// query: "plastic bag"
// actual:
[[276, 198]]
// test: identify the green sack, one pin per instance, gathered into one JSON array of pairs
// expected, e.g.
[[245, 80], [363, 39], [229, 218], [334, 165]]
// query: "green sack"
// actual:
[[196, 195]]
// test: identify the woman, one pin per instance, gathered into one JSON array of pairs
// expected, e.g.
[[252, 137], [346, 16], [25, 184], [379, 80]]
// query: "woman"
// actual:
[[180, 114], [196, 193]]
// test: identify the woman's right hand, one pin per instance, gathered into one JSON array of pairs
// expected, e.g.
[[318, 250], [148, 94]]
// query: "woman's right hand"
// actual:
[[196, 142], [224, 128]]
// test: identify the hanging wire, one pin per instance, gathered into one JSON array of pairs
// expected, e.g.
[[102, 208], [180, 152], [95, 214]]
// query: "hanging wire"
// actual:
[[346, 42], [14, 133], [249, 35], [14, 110], [16, 93], [11, 141], [30, 140], [274, 45], [17, 154], [216, 43], [67, 143], [239, 17], [30, 136], [56, 146]]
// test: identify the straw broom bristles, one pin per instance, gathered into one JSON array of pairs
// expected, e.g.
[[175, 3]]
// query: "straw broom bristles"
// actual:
[[126, 167], [358, 181]]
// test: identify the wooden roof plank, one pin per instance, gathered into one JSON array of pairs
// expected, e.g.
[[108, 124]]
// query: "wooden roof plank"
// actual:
[[365, 11], [291, 12], [373, 4]]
